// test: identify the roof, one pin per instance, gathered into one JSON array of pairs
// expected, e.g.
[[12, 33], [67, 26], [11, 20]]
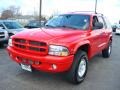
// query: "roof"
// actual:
[[85, 13]]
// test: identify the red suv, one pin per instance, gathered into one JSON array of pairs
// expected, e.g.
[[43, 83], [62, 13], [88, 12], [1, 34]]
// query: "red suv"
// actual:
[[65, 44]]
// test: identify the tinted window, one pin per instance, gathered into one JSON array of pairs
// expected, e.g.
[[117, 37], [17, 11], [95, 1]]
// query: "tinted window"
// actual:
[[95, 20], [102, 21], [71, 21], [12, 25]]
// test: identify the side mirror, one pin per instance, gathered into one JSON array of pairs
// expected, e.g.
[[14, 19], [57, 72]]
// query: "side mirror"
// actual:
[[98, 25]]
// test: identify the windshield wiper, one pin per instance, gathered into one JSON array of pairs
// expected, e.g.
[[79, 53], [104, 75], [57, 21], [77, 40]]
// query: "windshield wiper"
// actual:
[[49, 26], [68, 27], [64, 26]]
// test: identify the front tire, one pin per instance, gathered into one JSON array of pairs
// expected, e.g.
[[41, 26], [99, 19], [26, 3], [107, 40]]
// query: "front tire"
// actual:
[[79, 68], [107, 52]]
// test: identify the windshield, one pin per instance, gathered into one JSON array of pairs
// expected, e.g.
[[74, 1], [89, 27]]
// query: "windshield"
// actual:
[[35, 24], [12, 25], [70, 21]]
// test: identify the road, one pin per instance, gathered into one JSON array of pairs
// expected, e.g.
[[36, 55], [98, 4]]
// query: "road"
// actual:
[[103, 74]]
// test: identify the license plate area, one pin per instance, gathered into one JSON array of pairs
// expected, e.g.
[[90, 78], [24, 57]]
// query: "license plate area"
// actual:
[[26, 67]]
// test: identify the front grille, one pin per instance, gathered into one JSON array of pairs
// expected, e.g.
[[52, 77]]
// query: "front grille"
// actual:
[[1, 33], [20, 40], [30, 46], [20, 46], [37, 43], [37, 49], [2, 36]]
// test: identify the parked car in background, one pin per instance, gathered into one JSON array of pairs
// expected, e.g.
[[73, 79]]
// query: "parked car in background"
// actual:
[[114, 28], [34, 24], [11, 26], [117, 31], [3, 36]]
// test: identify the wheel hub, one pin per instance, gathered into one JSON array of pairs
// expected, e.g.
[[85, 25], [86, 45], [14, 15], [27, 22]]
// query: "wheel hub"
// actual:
[[82, 67], [110, 47]]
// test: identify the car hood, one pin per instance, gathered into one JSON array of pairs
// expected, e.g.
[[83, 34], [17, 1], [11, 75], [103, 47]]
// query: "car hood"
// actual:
[[52, 35], [15, 30]]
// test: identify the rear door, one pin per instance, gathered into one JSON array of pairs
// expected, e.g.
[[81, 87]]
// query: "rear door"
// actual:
[[104, 34], [96, 37], [108, 29]]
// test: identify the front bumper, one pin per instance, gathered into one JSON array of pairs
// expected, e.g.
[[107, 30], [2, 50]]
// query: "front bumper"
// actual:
[[45, 62]]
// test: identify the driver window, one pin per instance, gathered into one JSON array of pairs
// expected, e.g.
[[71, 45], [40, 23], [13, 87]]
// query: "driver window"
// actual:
[[95, 20]]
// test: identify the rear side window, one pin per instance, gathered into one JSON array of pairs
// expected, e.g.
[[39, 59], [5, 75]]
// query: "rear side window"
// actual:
[[102, 21]]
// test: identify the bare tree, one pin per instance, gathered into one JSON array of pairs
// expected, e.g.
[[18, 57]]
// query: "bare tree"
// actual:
[[7, 14], [10, 12], [15, 10]]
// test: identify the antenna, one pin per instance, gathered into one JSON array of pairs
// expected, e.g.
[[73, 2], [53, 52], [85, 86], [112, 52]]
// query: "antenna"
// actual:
[[40, 11], [95, 6]]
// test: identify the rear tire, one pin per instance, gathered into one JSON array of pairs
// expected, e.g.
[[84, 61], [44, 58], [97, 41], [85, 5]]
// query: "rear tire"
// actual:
[[79, 68], [107, 52]]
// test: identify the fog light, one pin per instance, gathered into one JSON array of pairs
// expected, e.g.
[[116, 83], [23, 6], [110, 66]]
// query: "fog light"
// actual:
[[54, 66], [18, 58], [30, 62], [37, 62], [24, 60]]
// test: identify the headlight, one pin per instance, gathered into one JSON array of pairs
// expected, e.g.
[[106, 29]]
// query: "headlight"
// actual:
[[10, 42], [58, 50]]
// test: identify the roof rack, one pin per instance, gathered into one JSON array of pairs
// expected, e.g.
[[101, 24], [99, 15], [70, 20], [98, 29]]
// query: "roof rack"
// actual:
[[85, 11], [100, 14], [89, 12]]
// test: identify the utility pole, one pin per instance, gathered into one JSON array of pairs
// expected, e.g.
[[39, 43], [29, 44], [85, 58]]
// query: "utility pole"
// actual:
[[95, 6], [40, 11], [34, 8]]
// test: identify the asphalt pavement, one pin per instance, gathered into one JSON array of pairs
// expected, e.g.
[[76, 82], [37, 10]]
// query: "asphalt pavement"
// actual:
[[103, 74]]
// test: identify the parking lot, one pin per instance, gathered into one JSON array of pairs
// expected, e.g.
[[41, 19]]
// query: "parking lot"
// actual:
[[103, 74]]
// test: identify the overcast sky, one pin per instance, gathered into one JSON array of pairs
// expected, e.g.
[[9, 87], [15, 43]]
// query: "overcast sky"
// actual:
[[110, 8]]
